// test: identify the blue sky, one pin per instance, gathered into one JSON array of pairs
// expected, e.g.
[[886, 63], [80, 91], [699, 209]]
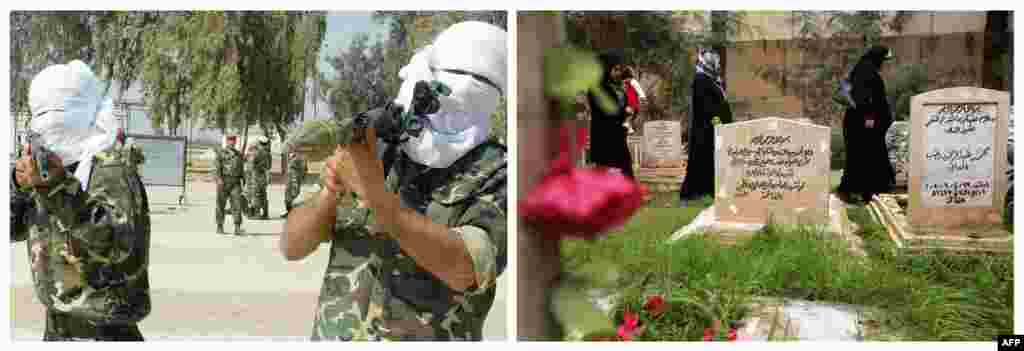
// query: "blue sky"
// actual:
[[342, 26]]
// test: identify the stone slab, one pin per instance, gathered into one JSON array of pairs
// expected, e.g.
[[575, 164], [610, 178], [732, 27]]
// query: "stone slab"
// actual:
[[958, 157]]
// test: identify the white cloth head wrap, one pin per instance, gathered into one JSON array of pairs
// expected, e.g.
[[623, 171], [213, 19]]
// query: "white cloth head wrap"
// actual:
[[464, 118], [74, 119]]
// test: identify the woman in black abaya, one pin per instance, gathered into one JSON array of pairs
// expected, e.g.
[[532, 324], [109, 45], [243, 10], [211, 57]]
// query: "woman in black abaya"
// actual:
[[867, 171], [708, 100], [607, 134]]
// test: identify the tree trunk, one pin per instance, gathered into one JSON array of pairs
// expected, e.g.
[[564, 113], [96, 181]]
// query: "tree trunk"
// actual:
[[245, 129], [305, 88], [538, 257], [998, 41], [719, 26]]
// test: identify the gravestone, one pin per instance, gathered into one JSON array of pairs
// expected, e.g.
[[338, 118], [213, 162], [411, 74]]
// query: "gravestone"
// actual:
[[662, 144], [958, 157], [772, 167], [897, 142]]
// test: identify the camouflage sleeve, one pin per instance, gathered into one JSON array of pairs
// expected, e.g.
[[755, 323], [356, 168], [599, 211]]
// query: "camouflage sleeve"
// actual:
[[111, 249], [352, 223], [217, 164], [21, 206], [482, 228]]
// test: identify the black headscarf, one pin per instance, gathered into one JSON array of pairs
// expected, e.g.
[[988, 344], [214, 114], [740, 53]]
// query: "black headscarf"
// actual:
[[610, 59], [875, 56]]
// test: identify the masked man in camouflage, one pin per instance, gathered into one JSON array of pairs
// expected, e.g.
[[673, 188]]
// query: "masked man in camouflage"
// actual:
[[296, 176], [87, 232], [432, 233], [228, 171]]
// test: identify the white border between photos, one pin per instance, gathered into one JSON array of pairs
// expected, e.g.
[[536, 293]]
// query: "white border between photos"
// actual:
[[342, 5]]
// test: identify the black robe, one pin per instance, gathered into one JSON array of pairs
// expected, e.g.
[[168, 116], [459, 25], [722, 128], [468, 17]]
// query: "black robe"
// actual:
[[867, 168], [707, 102], [608, 146]]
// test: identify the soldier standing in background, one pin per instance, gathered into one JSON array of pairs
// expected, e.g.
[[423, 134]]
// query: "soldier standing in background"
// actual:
[[296, 176], [248, 194], [135, 156], [228, 168], [261, 178]]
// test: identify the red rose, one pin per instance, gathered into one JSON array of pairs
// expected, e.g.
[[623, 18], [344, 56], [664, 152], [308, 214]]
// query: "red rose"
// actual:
[[580, 203], [655, 305], [628, 329]]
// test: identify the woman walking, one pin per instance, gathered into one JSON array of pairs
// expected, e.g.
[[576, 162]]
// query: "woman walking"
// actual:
[[708, 101]]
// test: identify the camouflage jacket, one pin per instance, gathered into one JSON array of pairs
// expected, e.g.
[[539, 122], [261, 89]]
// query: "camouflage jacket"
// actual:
[[296, 170], [373, 291], [261, 164], [228, 163], [264, 160], [88, 251]]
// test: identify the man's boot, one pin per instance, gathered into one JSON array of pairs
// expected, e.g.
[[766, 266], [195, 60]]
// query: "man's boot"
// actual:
[[220, 228], [238, 230]]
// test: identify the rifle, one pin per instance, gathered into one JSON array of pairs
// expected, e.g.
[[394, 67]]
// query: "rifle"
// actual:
[[40, 155], [392, 122]]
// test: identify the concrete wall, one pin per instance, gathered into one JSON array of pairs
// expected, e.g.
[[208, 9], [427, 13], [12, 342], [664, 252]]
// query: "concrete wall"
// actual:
[[781, 25], [770, 74], [778, 77]]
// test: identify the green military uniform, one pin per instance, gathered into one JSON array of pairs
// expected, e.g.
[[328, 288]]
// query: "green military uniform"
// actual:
[[248, 207], [228, 167], [100, 291], [296, 176], [132, 156], [386, 295], [258, 180]]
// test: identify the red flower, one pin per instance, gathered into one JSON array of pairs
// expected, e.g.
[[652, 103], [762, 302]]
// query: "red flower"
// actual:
[[655, 305], [580, 203], [709, 334], [733, 335], [628, 329]]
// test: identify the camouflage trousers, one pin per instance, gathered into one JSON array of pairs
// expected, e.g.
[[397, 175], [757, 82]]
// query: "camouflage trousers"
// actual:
[[232, 189], [63, 327], [354, 306], [257, 198]]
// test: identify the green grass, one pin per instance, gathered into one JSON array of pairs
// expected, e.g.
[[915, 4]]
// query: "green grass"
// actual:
[[925, 297], [644, 233]]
